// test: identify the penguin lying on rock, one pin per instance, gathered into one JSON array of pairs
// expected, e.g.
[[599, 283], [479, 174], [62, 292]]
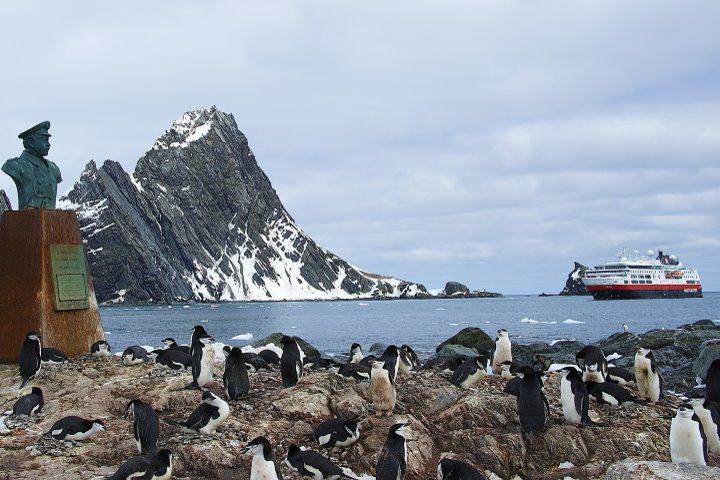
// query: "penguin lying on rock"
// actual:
[[610, 393], [336, 432], [207, 417], [101, 349], [53, 356], [75, 429], [29, 404], [156, 466], [470, 373], [358, 371], [312, 464], [254, 362], [134, 355], [449, 469]]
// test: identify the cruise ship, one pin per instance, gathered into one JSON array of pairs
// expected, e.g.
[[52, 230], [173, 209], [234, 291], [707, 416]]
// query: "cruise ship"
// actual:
[[643, 276]]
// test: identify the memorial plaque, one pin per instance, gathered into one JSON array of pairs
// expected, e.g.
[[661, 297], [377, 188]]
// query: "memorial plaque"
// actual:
[[69, 274]]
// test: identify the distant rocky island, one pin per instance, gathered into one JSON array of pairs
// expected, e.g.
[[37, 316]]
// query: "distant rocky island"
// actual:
[[199, 220], [574, 284]]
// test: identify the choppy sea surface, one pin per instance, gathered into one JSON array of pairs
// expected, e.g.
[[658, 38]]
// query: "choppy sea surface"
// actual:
[[333, 326]]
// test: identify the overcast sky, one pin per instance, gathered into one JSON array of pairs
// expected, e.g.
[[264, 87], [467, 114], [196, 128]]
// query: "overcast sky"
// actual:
[[492, 143]]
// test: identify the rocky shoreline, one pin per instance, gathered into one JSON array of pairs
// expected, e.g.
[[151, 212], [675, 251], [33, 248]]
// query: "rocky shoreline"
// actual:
[[478, 426]]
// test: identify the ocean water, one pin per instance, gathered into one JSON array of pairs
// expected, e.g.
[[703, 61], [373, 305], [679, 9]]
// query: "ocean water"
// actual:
[[333, 326]]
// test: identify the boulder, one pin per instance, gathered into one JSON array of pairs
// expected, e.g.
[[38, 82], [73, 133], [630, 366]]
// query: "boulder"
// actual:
[[377, 348], [274, 338], [456, 289], [640, 470], [471, 337], [452, 350], [709, 351]]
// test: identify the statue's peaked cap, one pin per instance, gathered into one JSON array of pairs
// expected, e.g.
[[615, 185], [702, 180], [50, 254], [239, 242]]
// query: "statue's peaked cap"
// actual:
[[37, 128]]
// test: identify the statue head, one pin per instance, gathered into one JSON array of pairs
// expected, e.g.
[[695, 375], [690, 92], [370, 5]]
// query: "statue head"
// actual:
[[36, 140]]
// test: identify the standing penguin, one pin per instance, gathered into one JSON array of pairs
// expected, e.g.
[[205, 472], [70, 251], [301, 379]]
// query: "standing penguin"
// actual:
[[449, 469], [647, 376], [207, 417], [574, 397], [235, 376], [30, 357], [687, 438], [263, 462], [146, 426], [501, 351], [391, 361], [157, 466], [75, 429], [593, 364], [29, 404], [712, 382], [469, 373], [532, 405], [393, 456], [101, 348], [291, 362], [312, 464], [382, 391], [410, 353], [356, 353], [710, 419], [202, 355]]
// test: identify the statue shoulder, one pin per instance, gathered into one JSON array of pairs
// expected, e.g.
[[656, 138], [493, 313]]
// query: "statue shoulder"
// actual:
[[12, 167], [56, 170]]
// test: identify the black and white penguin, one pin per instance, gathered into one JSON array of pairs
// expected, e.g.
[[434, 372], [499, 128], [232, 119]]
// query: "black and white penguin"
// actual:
[[336, 432], [291, 362], [382, 392], [254, 362], [449, 469], [356, 353], [358, 371], [712, 382], [508, 369], [405, 362], [263, 462], [312, 464], [391, 361], [75, 429], [29, 404], [146, 425], [134, 355], [710, 418], [574, 397], [687, 438], [174, 359], [235, 376], [53, 356], [647, 376], [171, 344], [202, 354], [501, 351], [101, 348], [317, 363], [392, 461], [620, 376], [411, 355], [367, 360], [470, 373], [270, 356], [610, 393], [513, 386], [207, 417], [30, 360], [532, 405], [156, 466], [593, 364]]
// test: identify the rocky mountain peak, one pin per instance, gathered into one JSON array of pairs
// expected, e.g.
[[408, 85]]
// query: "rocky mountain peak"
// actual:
[[190, 127]]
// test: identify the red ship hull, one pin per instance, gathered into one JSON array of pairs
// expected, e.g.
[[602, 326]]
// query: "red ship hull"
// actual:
[[624, 292]]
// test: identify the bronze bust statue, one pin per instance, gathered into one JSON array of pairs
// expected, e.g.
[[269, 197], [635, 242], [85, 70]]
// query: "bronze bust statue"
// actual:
[[35, 177]]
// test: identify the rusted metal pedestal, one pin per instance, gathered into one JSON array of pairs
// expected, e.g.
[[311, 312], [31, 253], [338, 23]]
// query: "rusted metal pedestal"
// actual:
[[42, 286]]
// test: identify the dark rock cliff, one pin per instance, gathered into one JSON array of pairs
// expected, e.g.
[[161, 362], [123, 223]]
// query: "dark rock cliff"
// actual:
[[574, 284], [198, 219]]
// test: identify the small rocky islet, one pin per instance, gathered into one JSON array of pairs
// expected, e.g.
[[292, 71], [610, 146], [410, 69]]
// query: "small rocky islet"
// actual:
[[479, 426]]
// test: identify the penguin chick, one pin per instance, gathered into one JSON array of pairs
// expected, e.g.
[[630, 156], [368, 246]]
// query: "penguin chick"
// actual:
[[449, 469], [647, 376], [146, 425], [336, 432], [469, 373], [263, 462], [687, 438], [207, 417], [156, 466], [382, 391], [507, 370], [75, 429], [30, 360], [501, 351], [312, 464], [392, 461], [235, 376]]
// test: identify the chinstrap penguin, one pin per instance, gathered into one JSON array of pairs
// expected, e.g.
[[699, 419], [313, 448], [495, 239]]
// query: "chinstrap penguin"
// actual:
[[134, 355], [270, 356], [146, 425], [312, 464], [263, 462], [207, 417], [382, 391], [712, 382], [101, 348], [29, 404], [235, 376], [317, 363], [202, 357], [593, 364], [501, 351], [392, 461], [470, 373], [336, 432], [620, 376], [30, 360], [710, 418], [254, 362], [647, 376], [574, 397], [532, 405], [171, 344], [687, 438], [449, 469], [156, 466], [174, 359], [53, 356], [356, 353], [291, 362], [391, 361], [358, 371], [411, 355], [75, 429], [610, 393]]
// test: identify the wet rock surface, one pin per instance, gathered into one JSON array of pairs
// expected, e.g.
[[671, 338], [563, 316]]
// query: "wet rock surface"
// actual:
[[478, 426], [632, 470]]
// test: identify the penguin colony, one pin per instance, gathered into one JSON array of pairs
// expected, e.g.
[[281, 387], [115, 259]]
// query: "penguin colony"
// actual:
[[694, 430]]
